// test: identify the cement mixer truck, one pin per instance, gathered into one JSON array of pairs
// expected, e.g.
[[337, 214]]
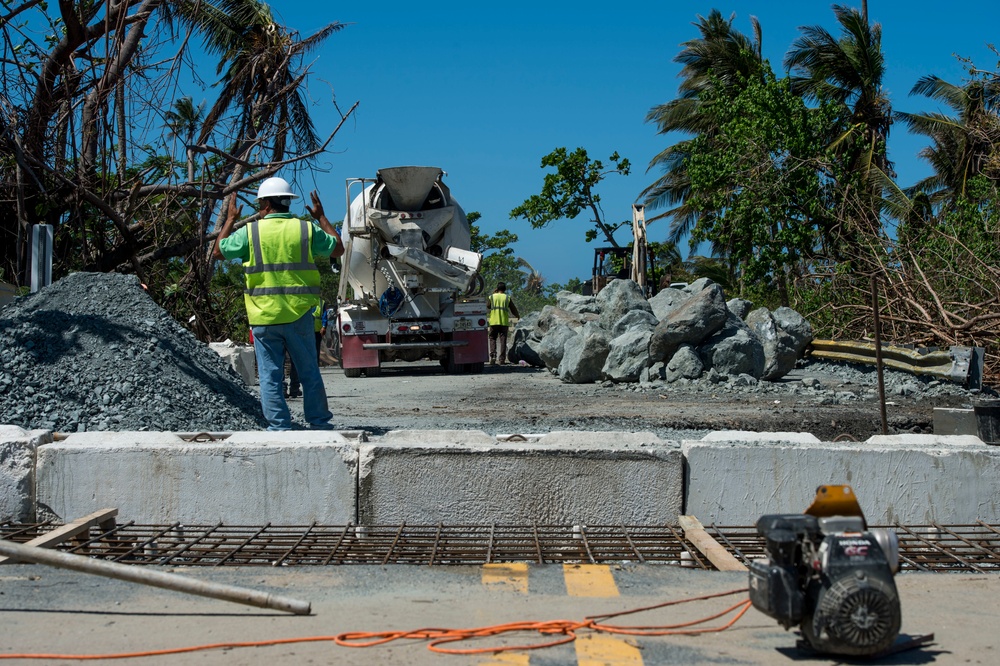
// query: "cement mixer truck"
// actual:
[[409, 285]]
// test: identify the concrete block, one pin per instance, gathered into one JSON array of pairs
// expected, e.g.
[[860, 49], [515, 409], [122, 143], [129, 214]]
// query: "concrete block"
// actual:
[[951, 421], [250, 478], [909, 479], [925, 440], [17, 472], [241, 358], [751, 436], [593, 478]]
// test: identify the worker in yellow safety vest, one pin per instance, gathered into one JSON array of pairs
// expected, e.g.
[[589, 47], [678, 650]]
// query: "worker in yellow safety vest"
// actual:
[[282, 293], [501, 307]]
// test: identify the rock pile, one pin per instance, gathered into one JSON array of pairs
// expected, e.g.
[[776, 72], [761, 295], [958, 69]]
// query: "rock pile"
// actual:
[[688, 333], [94, 352]]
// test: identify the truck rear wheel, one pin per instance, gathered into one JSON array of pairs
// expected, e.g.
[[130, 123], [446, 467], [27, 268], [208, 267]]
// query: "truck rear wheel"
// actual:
[[352, 372], [449, 365]]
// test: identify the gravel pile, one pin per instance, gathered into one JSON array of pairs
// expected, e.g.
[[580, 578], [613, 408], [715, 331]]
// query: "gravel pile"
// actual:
[[825, 383], [94, 352]]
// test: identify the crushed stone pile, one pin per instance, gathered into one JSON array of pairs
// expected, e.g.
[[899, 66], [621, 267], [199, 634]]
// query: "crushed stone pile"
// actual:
[[94, 352]]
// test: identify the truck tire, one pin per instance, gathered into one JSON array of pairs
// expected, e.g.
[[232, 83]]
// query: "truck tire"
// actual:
[[352, 373], [449, 365], [474, 368], [375, 371]]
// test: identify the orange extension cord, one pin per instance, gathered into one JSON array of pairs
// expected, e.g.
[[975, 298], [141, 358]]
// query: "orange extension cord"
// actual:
[[566, 629]]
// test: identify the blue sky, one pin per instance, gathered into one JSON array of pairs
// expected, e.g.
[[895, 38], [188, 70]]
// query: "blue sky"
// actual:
[[484, 90]]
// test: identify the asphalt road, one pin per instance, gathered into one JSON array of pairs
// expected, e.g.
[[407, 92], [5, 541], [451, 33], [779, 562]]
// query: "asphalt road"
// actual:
[[60, 613]]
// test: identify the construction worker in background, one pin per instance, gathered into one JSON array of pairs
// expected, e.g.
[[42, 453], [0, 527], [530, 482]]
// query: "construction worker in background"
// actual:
[[319, 328], [282, 292], [501, 307]]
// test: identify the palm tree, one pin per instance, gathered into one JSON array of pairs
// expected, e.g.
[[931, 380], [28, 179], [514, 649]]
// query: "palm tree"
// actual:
[[258, 59], [721, 59], [184, 119], [183, 122], [533, 280], [848, 71], [963, 144]]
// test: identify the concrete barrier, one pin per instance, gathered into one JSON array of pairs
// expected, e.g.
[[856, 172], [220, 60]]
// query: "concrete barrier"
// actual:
[[909, 479], [249, 478], [17, 472], [594, 478], [470, 477]]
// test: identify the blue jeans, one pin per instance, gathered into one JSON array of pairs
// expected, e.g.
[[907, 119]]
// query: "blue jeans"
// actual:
[[270, 343]]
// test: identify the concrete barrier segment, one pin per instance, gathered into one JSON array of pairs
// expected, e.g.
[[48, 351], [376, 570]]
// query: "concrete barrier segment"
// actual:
[[751, 436], [907, 479], [593, 478], [18, 449], [249, 478]]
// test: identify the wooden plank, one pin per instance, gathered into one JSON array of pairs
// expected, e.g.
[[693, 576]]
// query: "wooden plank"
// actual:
[[105, 518], [707, 546]]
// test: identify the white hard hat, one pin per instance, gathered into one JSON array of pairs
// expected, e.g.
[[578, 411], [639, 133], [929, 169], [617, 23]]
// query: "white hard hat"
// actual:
[[275, 187]]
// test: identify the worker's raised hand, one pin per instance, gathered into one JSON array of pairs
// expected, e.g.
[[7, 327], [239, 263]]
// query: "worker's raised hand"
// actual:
[[235, 210], [317, 208]]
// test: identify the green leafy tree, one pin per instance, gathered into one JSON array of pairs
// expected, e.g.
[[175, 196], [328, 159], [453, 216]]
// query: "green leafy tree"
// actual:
[[570, 190], [500, 264], [759, 181]]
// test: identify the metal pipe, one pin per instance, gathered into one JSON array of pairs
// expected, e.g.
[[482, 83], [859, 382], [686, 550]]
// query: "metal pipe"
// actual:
[[878, 357], [168, 581]]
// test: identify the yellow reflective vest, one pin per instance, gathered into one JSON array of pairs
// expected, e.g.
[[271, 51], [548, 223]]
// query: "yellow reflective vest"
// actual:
[[282, 280], [499, 303]]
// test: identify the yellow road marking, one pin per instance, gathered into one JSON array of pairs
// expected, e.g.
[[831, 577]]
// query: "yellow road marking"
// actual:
[[589, 580], [601, 650], [511, 576], [506, 659]]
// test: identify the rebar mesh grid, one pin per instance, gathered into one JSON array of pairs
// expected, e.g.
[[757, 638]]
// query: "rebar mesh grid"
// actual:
[[234, 545], [937, 548]]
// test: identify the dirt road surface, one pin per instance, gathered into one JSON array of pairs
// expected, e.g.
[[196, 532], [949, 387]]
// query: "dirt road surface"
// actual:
[[514, 399]]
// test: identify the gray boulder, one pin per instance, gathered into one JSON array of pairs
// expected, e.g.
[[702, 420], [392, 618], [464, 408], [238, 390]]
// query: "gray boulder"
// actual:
[[733, 350], [654, 373], [618, 299], [573, 302], [694, 321], [779, 346], [795, 325], [584, 355], [524, 345], [739, 307], [551, 316], [666, 301], [635, 319], [551, 348], [628, 356], [699, 285], [685, 364]]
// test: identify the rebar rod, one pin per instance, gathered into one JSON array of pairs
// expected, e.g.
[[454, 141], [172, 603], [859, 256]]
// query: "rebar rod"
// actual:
[[145, 576]]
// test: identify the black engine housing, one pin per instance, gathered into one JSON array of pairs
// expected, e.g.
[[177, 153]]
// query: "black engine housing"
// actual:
[[832, 578]]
